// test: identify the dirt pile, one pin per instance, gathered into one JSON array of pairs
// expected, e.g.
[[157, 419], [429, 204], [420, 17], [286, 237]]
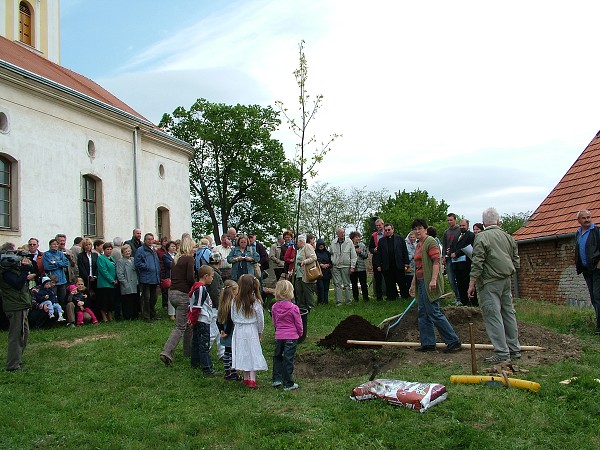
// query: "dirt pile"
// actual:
[[342, 360], [349, 328]]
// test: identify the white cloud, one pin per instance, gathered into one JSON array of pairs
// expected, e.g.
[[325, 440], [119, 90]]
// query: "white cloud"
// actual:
[[478, 103]]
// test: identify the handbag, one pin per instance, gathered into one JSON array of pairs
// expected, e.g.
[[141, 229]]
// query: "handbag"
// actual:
[[165, 283], [257, 270], [313, 271]]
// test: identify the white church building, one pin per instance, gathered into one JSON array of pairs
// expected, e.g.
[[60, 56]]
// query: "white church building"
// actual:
[[74, 159]]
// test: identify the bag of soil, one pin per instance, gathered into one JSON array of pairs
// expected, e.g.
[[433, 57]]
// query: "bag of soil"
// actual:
[[411, 395]]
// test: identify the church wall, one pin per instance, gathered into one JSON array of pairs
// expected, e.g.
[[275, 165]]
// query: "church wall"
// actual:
[[49, 139]]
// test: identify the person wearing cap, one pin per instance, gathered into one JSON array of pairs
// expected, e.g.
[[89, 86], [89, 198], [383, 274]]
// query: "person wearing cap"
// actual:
[[261, 250]]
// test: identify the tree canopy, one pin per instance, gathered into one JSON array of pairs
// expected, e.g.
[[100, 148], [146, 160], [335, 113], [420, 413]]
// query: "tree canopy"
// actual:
[[239, 175], [401, 209], [512, 222]]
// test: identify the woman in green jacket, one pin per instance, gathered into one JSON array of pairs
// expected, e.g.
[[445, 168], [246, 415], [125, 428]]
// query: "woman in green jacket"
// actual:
[[107, 281], [428, 284]]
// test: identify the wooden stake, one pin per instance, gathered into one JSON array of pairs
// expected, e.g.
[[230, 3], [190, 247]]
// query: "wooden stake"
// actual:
[[438, 345], [472, 342]]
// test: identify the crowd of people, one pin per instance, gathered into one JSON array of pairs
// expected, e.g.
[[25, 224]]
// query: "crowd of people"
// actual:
[[210, 290]]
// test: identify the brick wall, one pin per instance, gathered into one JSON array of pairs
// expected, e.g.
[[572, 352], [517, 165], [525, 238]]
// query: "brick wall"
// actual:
[[548, 273]]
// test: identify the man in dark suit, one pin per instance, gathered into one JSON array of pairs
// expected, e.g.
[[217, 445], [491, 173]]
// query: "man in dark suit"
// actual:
[[392, 260], [377, 276], [461, 263]]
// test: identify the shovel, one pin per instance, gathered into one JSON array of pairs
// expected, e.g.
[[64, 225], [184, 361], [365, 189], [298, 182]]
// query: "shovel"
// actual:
[[392, 325]]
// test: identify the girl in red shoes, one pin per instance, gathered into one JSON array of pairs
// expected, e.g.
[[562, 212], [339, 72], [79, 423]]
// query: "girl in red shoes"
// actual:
[[247, 315]]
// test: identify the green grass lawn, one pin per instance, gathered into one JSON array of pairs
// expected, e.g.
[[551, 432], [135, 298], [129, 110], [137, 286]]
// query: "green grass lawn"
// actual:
[[113, 392]]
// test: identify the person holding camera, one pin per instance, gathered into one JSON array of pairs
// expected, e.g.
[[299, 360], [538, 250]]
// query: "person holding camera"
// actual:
[[15, 272]]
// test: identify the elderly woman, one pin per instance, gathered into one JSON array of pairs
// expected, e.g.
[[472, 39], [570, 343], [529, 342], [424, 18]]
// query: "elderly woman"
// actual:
[[360, 269], [304, 289], [182, 280], [242, 258], [428, 283], [128, 283]]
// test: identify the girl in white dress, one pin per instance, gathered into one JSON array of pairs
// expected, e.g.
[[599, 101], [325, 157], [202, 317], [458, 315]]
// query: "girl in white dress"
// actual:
[[247, 315]]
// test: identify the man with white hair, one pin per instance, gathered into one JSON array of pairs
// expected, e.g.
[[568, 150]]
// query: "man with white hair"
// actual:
[[587, 258], [343, 257], [495, 260]]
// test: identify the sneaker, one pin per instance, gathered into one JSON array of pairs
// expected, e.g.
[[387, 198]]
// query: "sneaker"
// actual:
[[70, 325], [61, 319], [251, 384], [515, 355], [338, 304], [292, 387], [455, 347], [425, 348], [232, 376], [497, 359], [276, 384], [458, 303], [212, 373], [51, 315], [166, 360]]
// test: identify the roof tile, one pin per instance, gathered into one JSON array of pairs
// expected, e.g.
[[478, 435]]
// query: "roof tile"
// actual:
[[578, 189]]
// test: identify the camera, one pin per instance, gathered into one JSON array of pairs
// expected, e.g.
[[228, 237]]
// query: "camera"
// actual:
[[12, 259]]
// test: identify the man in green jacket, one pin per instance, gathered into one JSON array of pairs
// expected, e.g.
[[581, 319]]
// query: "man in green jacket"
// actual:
[[495, 259], [15, 272]]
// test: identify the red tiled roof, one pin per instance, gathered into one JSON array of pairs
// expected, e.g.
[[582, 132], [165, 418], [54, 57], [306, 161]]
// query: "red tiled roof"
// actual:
[[578, 189], [20, 56]]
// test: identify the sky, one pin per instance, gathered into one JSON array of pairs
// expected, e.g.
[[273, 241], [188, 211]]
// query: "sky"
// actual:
[[479, 103]]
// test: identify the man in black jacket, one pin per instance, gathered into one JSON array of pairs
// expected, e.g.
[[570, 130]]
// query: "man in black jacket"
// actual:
[[392, 260], [461, 263]]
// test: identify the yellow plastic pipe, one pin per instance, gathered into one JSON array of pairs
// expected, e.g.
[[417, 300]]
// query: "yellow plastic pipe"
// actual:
[[513, 382]]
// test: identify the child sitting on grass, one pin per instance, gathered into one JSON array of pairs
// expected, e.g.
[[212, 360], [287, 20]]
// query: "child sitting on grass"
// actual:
[[80, 300], [288, 328], [199, 319], [46, 296]]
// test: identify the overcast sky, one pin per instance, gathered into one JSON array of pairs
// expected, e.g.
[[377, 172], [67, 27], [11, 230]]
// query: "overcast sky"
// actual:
[[479, 103]]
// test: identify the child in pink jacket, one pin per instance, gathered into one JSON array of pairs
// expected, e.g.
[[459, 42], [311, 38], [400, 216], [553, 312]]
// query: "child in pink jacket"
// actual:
[[288, 328]]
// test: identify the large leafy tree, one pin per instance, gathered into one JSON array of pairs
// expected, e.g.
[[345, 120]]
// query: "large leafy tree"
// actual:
[[239, 175], [401, 209]]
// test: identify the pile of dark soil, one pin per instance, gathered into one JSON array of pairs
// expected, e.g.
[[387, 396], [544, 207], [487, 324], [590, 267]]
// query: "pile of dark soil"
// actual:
[[349, 328], [342, 360]]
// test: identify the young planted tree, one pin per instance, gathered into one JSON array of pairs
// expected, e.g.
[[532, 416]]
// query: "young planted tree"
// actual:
[[308, 151], [239, 172]]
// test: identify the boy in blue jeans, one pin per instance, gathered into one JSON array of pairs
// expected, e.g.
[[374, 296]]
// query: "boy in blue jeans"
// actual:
[[200, 316]]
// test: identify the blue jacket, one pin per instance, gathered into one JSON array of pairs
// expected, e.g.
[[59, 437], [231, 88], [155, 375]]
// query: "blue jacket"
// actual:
[[148, 265], [239, 268], [55, 262]]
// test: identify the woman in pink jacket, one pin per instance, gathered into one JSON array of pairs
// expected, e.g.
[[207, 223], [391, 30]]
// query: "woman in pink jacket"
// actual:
[[288, 328]]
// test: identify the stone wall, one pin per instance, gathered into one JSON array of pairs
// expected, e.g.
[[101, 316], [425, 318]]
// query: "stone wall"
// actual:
[[548, 273]]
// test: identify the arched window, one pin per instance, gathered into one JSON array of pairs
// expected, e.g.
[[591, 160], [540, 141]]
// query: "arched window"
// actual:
[[5, 192], [9, 202], [163, 222], [25, 23], [92, 206]]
